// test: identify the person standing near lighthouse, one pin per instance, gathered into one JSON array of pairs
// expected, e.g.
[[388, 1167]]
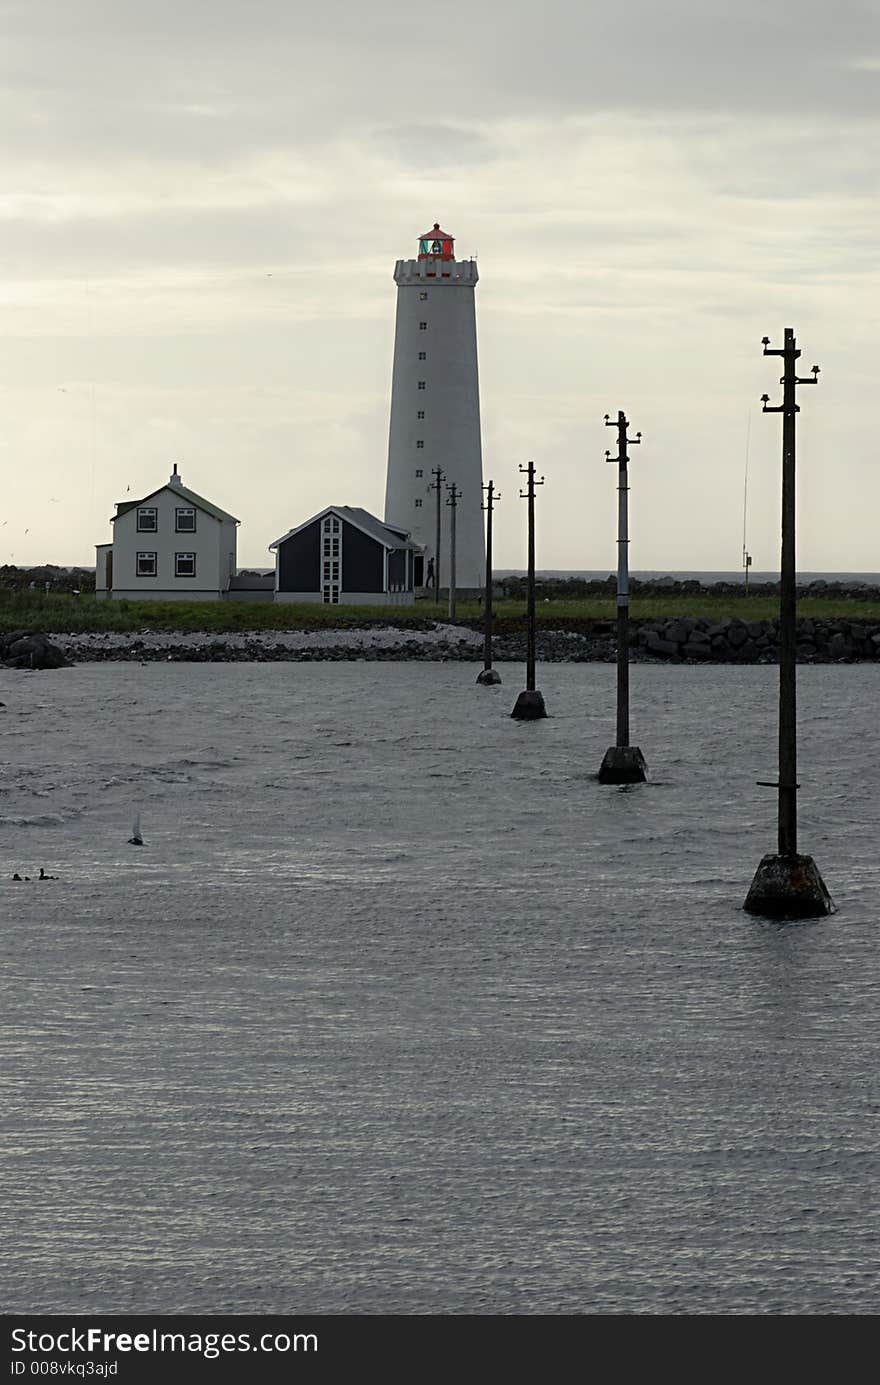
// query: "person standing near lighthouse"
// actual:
[[435, 406]]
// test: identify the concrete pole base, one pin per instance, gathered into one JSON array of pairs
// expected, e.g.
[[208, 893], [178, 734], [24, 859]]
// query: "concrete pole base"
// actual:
[[529, 706], [788, 887], [488, 677], [623, 764]]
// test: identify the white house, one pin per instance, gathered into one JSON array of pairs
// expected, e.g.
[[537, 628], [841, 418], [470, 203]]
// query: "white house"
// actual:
[[172, 545]]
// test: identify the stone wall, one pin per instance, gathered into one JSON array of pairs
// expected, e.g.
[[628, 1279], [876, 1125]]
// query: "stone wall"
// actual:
[[680, 640], [731, 640]]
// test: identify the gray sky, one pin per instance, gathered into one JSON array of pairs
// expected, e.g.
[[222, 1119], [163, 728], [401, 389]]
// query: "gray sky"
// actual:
[[201, 205]]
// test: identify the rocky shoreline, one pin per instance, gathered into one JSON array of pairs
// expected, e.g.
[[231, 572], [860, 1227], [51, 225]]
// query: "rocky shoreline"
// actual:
[[673, 640]]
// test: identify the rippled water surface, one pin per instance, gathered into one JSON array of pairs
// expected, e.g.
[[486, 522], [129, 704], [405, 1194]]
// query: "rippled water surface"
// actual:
[[399, 1010]]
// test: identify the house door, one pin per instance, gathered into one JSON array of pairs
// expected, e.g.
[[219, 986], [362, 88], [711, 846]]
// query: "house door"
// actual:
[[331, 560]]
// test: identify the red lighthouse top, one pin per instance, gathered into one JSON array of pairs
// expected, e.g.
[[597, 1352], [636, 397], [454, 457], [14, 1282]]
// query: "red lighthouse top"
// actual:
[[436, 245]]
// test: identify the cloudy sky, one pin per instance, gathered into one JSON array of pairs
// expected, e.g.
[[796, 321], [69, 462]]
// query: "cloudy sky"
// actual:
[[202, 201]]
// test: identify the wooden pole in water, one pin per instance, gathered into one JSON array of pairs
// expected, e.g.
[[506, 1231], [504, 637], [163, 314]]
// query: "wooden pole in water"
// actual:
[[489, 675], [623, 763], [788, 885], [530, 704]]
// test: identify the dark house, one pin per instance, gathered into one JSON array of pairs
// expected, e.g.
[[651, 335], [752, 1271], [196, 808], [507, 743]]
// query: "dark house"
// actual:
[[345, 556]]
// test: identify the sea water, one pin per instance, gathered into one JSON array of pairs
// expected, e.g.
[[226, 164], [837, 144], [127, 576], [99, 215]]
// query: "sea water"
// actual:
[[398, 1009]]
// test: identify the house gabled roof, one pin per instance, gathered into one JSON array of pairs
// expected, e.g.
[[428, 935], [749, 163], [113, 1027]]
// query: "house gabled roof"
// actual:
[[198, 501], [387, 534]]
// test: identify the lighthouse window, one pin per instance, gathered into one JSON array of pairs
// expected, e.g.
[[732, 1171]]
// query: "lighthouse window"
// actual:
[[418, 504], [423, 297], [420, 442], [420, 414], [419, 472], [421, 384], [423, 326], [423, 355]]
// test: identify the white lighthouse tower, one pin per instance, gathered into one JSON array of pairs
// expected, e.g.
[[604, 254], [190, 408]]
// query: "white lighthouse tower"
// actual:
[[435, 407]]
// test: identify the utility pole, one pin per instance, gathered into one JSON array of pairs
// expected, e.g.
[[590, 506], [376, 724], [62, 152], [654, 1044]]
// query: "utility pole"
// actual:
[[452, 501], [788, 885], [747, 557], [530, 704], [437, 485], [489, 675], [623, 763]]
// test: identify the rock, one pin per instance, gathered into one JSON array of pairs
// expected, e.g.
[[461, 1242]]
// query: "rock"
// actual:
[[655, 645], [33, 651], [737, 634]]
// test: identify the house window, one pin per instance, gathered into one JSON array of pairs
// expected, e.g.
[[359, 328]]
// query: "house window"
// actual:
[[185, 520], [184, 565], [336, 526], [423, 355], [423, 326], [146, 564], [422, 297], [418, 504], [420, 414], [419, 472], [147, 519], [420, 442], [421, 384]]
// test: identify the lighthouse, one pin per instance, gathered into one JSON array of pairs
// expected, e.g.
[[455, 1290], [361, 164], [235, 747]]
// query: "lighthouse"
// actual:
[[435, 407]]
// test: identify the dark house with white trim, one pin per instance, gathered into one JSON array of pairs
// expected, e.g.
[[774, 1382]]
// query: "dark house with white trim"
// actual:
[[346, 556]]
